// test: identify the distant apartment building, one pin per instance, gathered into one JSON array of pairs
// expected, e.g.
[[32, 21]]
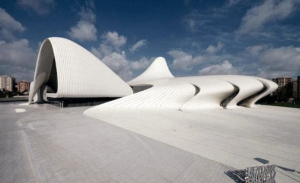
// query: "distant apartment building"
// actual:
[[295, 89], [7, 83], [23, 86], [285, 88]]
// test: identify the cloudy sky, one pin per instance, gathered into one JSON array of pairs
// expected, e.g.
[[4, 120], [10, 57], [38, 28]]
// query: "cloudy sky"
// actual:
[[197, 37]]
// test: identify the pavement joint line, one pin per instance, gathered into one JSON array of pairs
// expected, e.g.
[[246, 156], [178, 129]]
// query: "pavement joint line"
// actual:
[[29, 157]]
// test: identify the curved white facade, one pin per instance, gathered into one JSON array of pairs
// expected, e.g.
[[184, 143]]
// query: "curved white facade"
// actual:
[[190, 93], [269, 87], [70, 71], [211, 93], [73, 72], [247, 86]]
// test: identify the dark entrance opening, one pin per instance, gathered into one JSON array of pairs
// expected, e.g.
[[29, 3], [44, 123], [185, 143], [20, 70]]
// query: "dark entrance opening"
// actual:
[[52, 82], [77, 102]]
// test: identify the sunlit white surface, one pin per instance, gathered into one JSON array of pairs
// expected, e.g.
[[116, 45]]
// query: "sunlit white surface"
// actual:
[[79, 73]]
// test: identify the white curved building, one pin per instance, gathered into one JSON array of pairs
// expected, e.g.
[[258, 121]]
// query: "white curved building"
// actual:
[[66, 70], [71, 71], [189, 93]]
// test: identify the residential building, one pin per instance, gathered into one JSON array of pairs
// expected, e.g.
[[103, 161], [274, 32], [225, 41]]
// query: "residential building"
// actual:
[[7, 83], [295, 89], [285, 88], [23, 86]]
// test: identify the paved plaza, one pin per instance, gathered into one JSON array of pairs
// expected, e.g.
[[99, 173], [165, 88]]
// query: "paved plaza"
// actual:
[[44, 143]]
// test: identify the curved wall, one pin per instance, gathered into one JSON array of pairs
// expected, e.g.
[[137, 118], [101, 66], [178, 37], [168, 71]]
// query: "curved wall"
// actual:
[[212, 93], [167, 96], [189, 93], [79, 73], [247, 86], [270, 87]]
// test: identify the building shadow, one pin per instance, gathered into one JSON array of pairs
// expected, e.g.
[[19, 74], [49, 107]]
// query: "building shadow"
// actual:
[[263, 161]]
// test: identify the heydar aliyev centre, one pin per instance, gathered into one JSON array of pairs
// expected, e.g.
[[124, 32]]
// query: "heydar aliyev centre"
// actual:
[[69, 71], [156, 127]]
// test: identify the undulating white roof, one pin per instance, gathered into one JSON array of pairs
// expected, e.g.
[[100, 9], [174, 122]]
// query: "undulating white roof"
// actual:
[[73, 72], [191, 93]]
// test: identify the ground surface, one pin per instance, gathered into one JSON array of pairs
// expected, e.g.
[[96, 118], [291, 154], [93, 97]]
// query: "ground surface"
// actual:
[[285, 105], [238, 138], [44, 143]]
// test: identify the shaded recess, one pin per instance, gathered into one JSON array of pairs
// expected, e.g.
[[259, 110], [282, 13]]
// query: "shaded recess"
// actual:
[[140, 88], [197, 89], [244, 101], [227, 100], [52, 82], [77, 102]]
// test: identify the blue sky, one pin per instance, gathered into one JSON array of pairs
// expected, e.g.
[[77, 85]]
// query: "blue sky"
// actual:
[[196, 37]]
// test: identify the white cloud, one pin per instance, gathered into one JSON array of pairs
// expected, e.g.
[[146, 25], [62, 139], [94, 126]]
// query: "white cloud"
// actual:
[[17, 59], [114, 39], [255, 50], [196, 21], [42, 7], [138, 45], [269, 11], [233, 2], [143, 63], [111, 42], [213, 49], [8, 25], [96, 52], [17, 53], [119, 64], [192, 24], [87, 14], [276, 62], [20, 73], [219, 69], [184, 61], [193, 21], [109, 51], [85, 29]]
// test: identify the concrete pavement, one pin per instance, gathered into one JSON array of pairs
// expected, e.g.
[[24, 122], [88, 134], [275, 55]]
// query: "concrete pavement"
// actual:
[[44, 143]]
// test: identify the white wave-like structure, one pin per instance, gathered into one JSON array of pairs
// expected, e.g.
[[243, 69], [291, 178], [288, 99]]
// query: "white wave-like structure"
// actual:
[[189, 93], [73, 72], [70, 71]]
